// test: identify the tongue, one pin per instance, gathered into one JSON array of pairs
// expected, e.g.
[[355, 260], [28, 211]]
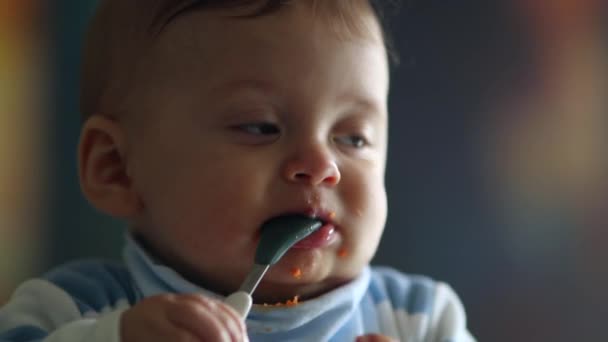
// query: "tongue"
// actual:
[[317, 239]]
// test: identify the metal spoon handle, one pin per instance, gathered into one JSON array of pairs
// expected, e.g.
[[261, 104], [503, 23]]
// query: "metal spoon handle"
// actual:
[[253, 278], [241, 300]]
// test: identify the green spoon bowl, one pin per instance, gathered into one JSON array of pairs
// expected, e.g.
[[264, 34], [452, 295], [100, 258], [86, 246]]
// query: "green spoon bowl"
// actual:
[[278, 235], [281, 233]]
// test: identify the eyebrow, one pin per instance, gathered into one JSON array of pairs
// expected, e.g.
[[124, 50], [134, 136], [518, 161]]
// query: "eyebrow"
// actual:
[[244, 84], [369, 107], [363, 104]]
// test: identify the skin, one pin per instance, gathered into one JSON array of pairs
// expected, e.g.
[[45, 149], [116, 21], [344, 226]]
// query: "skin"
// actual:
[[233, 122], [374, 338], [181, 318]]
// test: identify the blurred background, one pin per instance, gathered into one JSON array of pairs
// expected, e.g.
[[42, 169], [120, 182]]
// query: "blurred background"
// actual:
[[497, 174]]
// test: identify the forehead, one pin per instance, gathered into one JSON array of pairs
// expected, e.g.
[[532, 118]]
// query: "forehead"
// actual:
[[123, 34], [204, 32], [208, 47]]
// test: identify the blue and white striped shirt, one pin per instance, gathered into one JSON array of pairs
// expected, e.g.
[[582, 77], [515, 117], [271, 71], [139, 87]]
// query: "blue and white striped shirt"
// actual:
[[83, 301]]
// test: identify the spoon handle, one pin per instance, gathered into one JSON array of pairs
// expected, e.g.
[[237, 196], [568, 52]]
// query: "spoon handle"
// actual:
[[278, 235], [241, 300]]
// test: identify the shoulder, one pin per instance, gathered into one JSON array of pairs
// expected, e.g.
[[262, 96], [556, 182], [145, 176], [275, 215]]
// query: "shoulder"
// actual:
[[410, 292], [94, 284], [422, 295], [84, 289]]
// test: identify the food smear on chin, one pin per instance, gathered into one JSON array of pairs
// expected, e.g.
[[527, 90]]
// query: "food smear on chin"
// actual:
[[290, 302], [296, 272], [342, 253]]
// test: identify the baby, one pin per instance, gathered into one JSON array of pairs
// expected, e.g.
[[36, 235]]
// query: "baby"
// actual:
[[202, 121]]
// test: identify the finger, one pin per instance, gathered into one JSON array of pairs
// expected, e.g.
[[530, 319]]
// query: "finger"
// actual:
[[204, 318], [231, 320], [189, 315], [237, 323], [148, 322]]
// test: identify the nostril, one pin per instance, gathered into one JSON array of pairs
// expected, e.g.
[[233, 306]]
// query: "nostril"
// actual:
[[331, 180], [301, 176]]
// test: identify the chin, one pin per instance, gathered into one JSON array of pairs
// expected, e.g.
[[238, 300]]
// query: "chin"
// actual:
[[271, 293], [282, 285]]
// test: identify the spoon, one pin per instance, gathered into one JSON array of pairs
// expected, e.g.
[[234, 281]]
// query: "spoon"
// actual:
[[278, 235]]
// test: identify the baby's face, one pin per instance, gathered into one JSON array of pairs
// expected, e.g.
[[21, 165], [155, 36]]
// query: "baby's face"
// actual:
[[236, 121]]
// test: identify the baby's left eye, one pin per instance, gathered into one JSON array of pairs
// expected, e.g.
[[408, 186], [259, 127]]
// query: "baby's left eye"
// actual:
[[356, 141]]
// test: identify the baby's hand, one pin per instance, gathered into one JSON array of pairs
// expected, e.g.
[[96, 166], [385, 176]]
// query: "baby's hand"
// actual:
[[375, 338], [181, 318]]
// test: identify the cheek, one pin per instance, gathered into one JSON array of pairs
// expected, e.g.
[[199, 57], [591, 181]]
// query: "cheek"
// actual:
[[364, 195], [207, 200], [197, 223], [366, 211], [366, 204], [375, 220]]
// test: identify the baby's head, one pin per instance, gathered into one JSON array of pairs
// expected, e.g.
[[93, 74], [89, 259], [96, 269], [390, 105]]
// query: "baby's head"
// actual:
[[204, 119]]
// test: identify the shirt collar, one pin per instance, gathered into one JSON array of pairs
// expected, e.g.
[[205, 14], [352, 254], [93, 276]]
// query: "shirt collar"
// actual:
[[152, 278]]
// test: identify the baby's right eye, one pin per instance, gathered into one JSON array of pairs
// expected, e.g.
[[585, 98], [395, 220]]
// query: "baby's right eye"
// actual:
[[258, 128], [256, 133]]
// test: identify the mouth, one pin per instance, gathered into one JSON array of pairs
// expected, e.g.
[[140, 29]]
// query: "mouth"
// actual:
[[325, 235]]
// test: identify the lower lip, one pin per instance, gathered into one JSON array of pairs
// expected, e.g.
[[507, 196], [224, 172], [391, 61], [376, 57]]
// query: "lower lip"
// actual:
[[321, 238]]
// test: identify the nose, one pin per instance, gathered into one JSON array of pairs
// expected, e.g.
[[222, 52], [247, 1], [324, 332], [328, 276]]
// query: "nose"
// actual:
[[313, 166]]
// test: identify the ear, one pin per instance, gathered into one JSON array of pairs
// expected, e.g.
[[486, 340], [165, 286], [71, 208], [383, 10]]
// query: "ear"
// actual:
[[102, 168]]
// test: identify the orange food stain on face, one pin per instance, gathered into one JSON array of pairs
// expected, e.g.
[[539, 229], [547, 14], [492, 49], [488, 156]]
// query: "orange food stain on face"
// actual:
[[342, 253], [296, 272], [332, 215], [293, 302], [290, 302]]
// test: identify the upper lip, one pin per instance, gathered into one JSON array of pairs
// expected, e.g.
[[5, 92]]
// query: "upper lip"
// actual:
[[323, 214]]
